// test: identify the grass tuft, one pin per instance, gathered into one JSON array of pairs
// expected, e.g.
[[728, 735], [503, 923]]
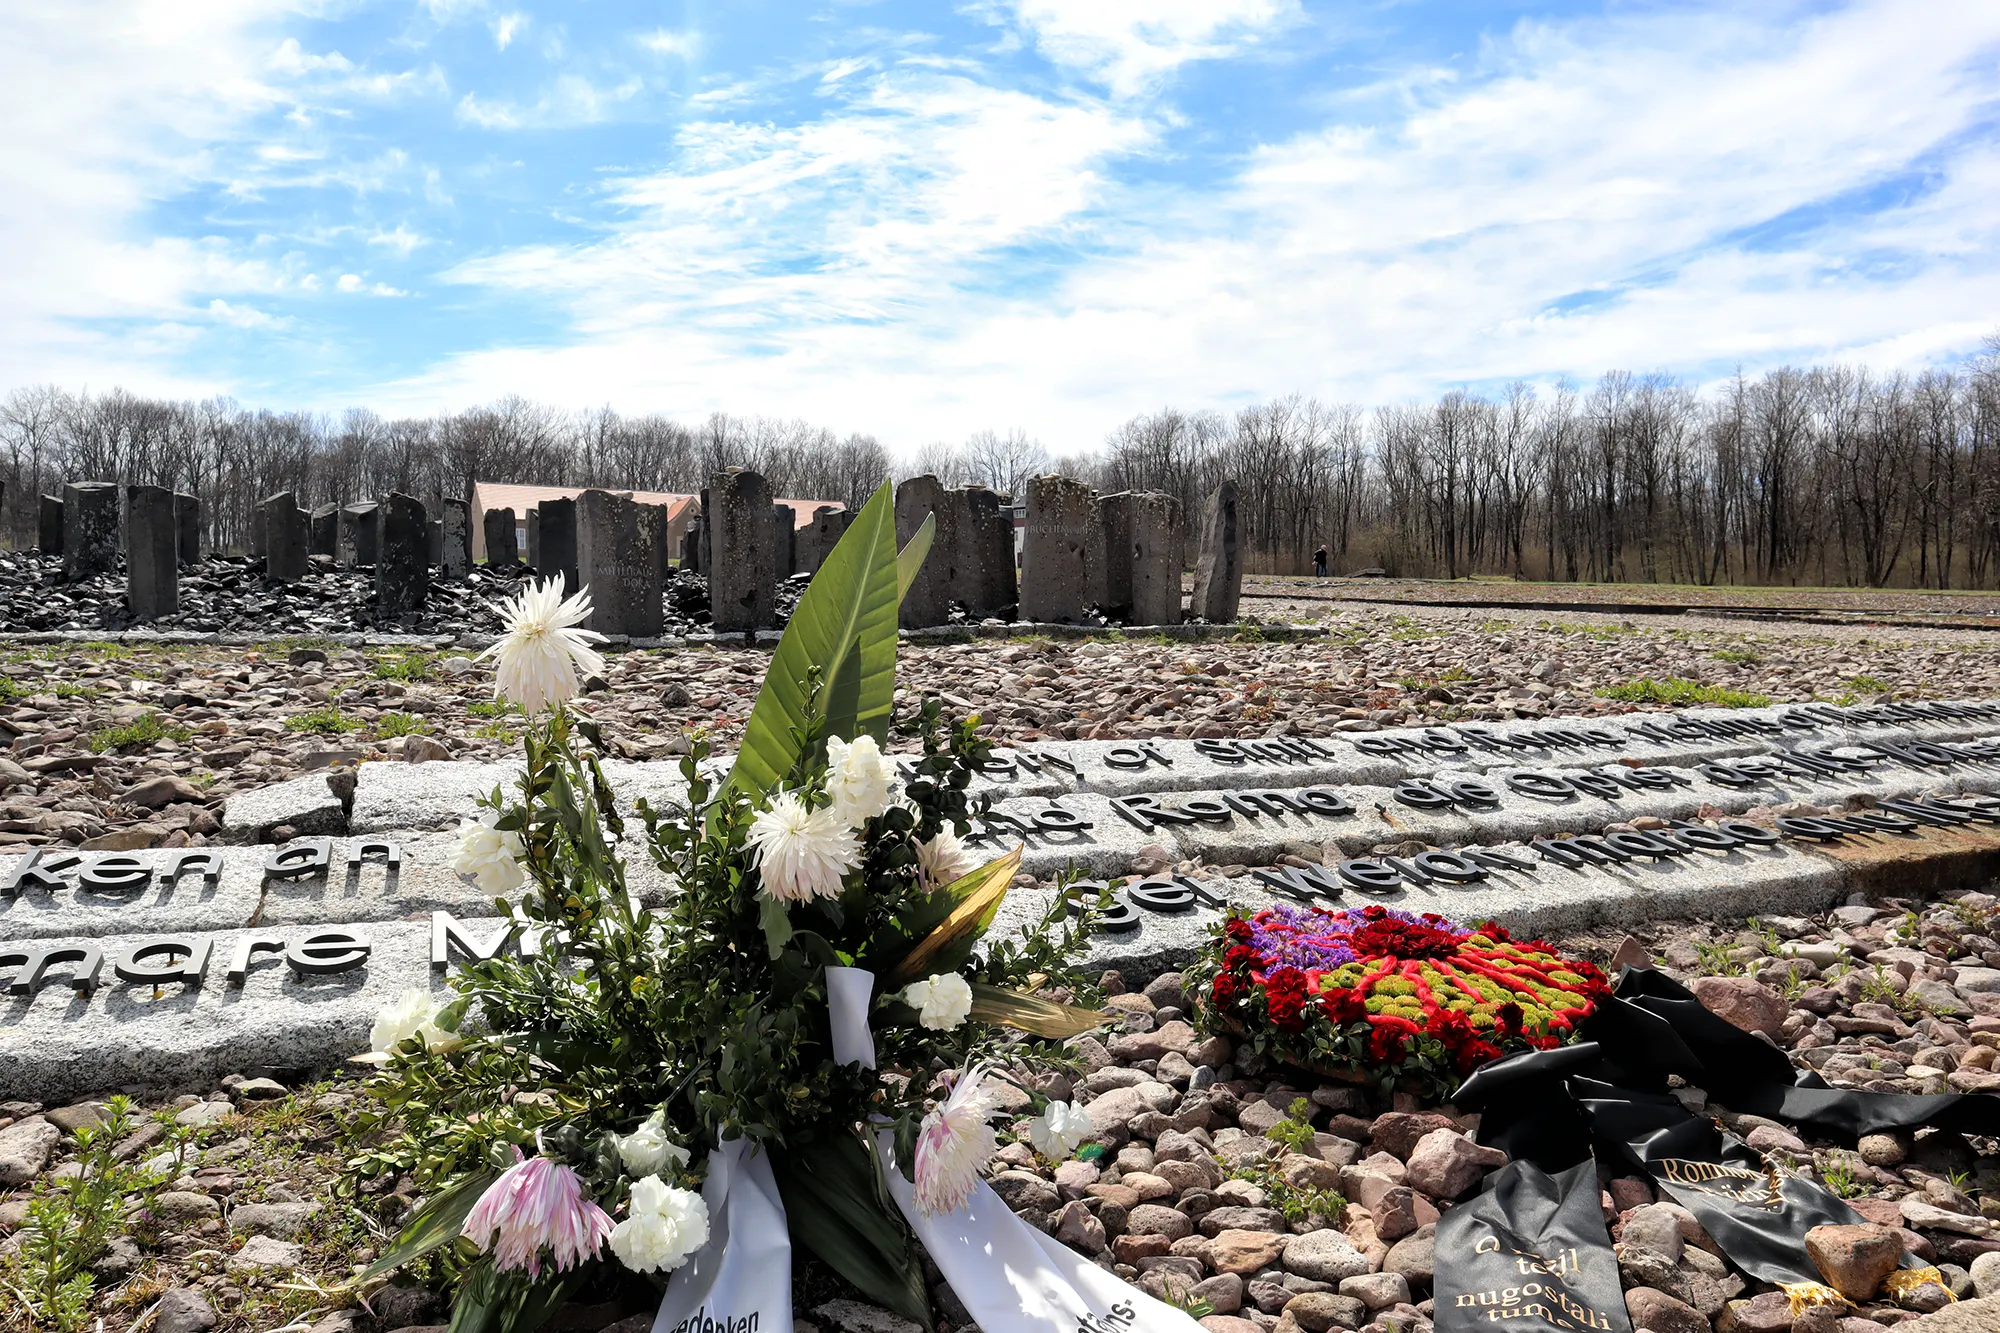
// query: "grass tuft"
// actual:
[[144, 731], [1681, 693], [323, 721]]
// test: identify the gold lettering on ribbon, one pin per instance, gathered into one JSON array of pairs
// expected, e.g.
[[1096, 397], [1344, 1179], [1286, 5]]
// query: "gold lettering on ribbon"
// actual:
[[1763, 1190], [1550, 1299]]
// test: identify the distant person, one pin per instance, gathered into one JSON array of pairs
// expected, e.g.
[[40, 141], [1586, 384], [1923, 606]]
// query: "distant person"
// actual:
[[1319, 563]]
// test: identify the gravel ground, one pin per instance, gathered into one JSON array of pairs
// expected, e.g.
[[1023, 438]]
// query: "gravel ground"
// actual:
[[140, 745], [1279, 1201], [1474, 592]]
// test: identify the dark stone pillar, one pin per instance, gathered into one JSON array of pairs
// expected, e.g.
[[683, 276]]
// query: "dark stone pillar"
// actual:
[[1142, 557], [535, 540], [402, 562], [989, 585], [558, 542], [502, 539], [616, 560], [152, 552], [359, 544], [187, 527], [928, 601], [90, 529], [325, 530], [1057, 550], [434, 543], [1218, 569], [287, 533], [815, 541], [740, 554], [49, 531], [784, 542], [456, 556], [691, 544], [658, 521]]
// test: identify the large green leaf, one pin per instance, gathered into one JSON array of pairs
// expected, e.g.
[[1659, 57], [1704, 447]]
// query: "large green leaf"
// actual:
[[912, 557], [836, 1207], [438, 1222], [490, 1301], [1032, 1013], [975, 900], [845, 625]]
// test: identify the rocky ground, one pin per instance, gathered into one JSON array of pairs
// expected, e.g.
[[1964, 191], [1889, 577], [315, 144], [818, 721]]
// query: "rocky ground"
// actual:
[[1484, 591], [139, 745], [1262, 1198]]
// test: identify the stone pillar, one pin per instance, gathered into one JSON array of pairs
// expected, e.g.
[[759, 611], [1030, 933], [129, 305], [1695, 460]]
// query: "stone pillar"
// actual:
[[1218, 568], [49, 531], [1056, 553], [90, 529], [187, 527], [358, 544], [402, 562], [152, 552], [534, 526], [434, 543], [616, 560], [456, 557], [502, 539], [784, 542], [326, 530], [739, 554], [928, 601], [988, 586], [1142, 557], [691, 546], [658, 520], [557, 533], [815, 541], [287, 532]]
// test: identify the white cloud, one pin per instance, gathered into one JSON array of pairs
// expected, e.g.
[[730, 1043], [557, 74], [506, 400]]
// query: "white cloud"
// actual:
[[402, 240], [684, 44], [507, 27], [874, 267], [1130, 44], [242, 316], [569, 101]]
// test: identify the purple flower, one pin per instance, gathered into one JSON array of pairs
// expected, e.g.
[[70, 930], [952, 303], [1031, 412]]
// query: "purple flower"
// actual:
[[1312, 939]]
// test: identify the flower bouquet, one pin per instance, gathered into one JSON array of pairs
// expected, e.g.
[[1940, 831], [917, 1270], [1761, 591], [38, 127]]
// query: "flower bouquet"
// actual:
[[804, 1044], [1402, 999]]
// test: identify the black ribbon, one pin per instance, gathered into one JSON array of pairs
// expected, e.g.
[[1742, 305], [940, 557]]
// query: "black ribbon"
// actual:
[[1531, 1253]]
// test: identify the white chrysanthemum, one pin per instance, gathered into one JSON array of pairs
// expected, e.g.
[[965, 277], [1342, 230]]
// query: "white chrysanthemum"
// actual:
[[1060, 1130], [802, 853], [489, 854], [942, 860], [663, 1226], [860, 780], [942, 1001], [414, 1014], [647, 1149], [542, 657], [954, 1142]]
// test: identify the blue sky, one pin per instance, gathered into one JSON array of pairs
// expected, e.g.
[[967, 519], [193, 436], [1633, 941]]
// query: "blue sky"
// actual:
[[921, 220]]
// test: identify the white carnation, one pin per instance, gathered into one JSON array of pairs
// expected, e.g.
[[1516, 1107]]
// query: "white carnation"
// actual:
[[860, 780], [942, 1001], [489, 854], [1060, 1130], [802, 853], [647, 1149], [414, 1014], [943, 860], [663, 1226], [542, 658]]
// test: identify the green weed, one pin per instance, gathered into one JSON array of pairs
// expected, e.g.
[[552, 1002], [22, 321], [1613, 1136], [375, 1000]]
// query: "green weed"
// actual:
[[406, 666], [498, 731], [1840, 1180], [1868, 685], [1717, 960], [1738, 657], [145, 731], [1681, 693], [324, 721], [491, 708]]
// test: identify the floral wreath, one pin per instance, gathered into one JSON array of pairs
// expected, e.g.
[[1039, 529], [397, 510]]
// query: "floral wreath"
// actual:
[[1399, 998]]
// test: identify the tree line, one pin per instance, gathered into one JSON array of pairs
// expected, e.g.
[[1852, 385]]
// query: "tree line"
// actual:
[[1826, 475]]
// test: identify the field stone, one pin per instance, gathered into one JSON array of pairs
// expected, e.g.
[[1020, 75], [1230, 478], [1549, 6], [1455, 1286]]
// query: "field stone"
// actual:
[[1024, 1191], [1079, 1228], [1318, 1311], [1744, 1003], [1415, 1257], [25, 1148], [1323, 1256], [1218, 1220], [855, 1317], [1445, 1164], [1377, 1290], [1399, 1132], [202, 1114], [185, 1206], [1986, 1274], [69, 1119], [266, 1252], [1152, 1219], [1658, 1312], [1854, 1259], [282, 1220], [1245, 1252], [1975, 1316], [183, 1310]]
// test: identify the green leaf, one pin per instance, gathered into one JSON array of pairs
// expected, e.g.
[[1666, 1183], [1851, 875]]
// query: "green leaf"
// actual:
[[776, 923], [836, 1207], [1032, 1013], [977, 897], [845, 624], [438, 1222], [911, 558], [490, 1301]]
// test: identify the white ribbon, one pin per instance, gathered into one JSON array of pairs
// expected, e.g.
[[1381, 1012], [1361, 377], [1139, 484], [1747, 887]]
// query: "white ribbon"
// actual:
[[741, 1280], [1010, 1277]]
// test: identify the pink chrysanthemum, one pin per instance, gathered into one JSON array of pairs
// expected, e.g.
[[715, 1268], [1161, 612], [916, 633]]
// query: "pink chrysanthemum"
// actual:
[[537, 1204], [954, 1143]]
